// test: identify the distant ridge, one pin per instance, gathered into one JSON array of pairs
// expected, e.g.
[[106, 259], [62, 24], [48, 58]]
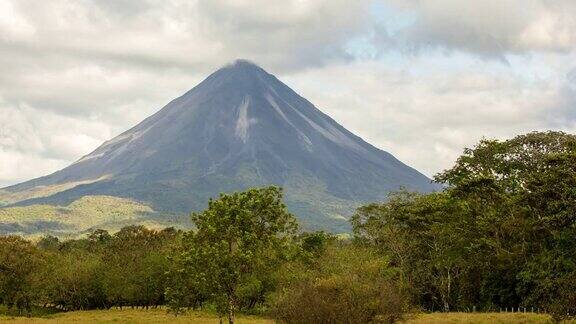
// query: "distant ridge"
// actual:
[[240, 127]]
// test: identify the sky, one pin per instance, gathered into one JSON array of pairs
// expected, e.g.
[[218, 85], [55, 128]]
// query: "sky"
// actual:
[[421, 79]]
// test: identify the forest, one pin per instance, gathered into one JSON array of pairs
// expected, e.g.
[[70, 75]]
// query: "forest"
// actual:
[[501, 235]]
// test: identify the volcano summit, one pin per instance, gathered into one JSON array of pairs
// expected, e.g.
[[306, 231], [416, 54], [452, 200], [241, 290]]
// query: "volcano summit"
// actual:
[[241, 127]]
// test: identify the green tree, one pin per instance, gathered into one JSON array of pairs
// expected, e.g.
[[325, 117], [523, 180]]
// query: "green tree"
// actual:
[[74, 281], [20, 267], [428, 237], [522, 194], [136, 259], [239, 240], [500, 235]]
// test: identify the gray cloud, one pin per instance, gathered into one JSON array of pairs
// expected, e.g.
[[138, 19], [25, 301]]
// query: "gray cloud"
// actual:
[[294, 35], [125, 49], [489, 28]]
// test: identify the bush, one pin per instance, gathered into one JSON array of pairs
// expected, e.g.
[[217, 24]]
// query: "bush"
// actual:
[[345, 285]]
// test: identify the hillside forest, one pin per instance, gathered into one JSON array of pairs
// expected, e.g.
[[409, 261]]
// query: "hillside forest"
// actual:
[[500, 235]]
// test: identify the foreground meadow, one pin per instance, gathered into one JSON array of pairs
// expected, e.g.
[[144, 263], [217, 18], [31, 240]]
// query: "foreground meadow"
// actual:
[[160, 316], [131, 316], [479, 318]]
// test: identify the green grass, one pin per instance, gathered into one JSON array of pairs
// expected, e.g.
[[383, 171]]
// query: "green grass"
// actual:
[[478, 318], [161, 316], [132, 316], [81, 216], [35, 312]]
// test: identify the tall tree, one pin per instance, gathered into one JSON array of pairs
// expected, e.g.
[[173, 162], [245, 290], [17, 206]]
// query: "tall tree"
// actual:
[[239, 239]]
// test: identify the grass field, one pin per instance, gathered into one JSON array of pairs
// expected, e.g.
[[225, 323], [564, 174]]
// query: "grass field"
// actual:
[[160, 316], [131, 316], [479, 318]]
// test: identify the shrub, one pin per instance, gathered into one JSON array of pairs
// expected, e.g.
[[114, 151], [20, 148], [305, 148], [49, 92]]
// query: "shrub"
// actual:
[[346, 285]]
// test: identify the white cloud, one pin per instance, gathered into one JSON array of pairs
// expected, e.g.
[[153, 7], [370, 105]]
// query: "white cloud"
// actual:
[[189, 34], [427, 118], [490, 28], [35, 142], [287, 35], [12, 24]]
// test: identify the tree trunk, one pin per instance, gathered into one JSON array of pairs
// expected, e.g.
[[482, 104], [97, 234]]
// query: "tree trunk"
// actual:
[[231, 317], [231, 308], [232, 290], [448, 293]]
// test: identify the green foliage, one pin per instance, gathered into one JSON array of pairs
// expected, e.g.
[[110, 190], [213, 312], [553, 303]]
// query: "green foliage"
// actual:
[[98, 272], [426, 236], [315, 243], [20, 278], [74, 281], [500, 235], [239, 240], [48, 243], [136, 260], [346, 284]]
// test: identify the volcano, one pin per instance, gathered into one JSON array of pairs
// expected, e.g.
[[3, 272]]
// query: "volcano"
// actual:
[[241, 127]]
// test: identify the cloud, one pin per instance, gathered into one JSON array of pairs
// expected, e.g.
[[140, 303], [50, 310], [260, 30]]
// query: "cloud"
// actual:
[[489, 28], [286, 35], [185, 34], [92, 57], [426, 117], [35, 142]]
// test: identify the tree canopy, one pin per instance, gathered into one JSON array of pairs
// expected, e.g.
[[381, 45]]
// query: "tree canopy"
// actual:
[[239, 239], [502, 233]]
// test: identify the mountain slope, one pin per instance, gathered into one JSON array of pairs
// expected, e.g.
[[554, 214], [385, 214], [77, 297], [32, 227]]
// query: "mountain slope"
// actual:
[[82, 216], [240, 127]]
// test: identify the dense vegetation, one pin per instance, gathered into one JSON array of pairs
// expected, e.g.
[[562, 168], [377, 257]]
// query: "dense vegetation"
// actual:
[[501, 235], [103, 270]]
